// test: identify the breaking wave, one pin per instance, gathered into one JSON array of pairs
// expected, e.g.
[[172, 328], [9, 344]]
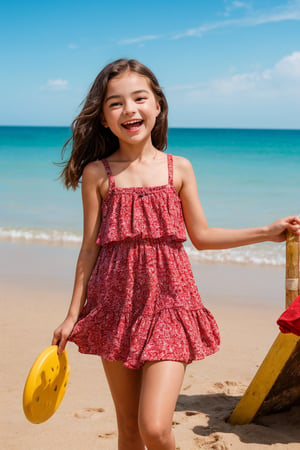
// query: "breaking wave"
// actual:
[[266, 254]]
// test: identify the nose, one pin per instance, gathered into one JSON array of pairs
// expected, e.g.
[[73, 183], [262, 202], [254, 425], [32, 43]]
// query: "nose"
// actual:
[[129, 107]]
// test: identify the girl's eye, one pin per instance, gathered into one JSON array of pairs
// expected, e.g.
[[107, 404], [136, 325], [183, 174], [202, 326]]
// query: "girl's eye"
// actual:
[[115, 104], [141, 99]]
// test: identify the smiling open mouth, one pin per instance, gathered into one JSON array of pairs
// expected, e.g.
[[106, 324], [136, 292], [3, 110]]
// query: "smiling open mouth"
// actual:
[[131, 124]]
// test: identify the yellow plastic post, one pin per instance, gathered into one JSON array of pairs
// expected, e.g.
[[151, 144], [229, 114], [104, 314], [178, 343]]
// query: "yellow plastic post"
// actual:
[[280, 352], [264, 379]]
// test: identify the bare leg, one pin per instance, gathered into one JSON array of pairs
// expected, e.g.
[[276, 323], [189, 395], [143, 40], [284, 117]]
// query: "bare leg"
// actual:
[[125, 386], [161, 383]]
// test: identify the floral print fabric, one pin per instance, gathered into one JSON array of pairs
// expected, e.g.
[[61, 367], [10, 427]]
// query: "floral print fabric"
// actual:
[[142, 300]]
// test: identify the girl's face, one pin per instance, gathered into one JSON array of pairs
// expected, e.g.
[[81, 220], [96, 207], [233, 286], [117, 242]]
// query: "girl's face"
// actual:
[[130, 108]]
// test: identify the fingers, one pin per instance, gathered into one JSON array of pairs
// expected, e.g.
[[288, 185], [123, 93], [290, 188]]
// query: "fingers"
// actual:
[[294, 220], [61, 334], [60, 340], [61, 346], [290, 222], [295, 228], [294, 224], [55, 338], [279, 228]]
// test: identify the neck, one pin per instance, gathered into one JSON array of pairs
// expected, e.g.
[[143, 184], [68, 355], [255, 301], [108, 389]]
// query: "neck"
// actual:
[[132, 152]]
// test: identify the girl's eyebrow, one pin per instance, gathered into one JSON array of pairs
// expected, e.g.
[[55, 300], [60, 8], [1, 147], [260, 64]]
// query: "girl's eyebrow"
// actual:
[[139, 91]]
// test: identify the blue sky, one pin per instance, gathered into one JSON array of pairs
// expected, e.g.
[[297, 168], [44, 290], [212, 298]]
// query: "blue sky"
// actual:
[[221, 63]]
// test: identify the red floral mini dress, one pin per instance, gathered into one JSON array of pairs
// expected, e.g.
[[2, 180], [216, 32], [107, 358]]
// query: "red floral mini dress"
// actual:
[[142, 300]]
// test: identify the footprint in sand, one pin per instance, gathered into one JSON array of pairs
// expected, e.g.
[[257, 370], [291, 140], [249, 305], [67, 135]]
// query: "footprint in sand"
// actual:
[[107, 435], [191, 413], [86, 413], [228, 387], [213, 441]]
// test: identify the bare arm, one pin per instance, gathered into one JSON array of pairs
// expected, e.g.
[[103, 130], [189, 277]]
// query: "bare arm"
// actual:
[[204, 237], [91, 201]]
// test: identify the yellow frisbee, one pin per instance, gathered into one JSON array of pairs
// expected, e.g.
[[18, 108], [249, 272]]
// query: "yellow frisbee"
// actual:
[[46, 385]]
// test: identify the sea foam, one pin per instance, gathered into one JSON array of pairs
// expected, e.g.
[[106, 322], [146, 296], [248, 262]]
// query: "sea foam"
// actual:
[[259, 255], [267, 254], [31, 235]]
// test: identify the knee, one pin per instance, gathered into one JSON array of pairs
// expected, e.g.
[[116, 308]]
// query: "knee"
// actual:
[[154, 433], [128, 427]]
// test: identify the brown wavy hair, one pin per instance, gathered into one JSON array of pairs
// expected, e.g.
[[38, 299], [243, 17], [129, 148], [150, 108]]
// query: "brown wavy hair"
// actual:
[[90, 140]]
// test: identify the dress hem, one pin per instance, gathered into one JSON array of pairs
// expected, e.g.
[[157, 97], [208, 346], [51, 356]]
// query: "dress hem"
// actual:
[[138, 364]]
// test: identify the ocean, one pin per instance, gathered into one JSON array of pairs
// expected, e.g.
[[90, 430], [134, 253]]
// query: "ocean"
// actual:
[[245, 178]]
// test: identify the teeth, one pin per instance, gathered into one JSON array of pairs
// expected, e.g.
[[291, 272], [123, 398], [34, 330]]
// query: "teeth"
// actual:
[[131, 122]]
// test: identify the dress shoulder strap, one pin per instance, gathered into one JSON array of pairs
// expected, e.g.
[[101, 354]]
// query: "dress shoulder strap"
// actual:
[[108, 172], [170, 169]]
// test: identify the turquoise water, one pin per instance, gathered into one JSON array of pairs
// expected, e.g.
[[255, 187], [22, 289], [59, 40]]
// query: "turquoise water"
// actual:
[[245, 178]]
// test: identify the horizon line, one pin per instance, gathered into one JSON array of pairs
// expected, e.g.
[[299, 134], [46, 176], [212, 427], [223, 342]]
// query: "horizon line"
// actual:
[[171, 127]]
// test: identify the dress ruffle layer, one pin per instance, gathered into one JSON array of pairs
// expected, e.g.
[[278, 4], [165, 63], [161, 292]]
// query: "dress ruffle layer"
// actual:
[[179, 334], [152, 212], [143, 305]]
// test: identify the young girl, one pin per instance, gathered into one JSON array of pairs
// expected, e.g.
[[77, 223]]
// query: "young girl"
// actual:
[[135, 302]]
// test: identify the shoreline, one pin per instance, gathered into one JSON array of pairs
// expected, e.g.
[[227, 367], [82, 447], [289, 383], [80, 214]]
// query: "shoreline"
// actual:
[[266, 254], [240, 283], [246, 301]]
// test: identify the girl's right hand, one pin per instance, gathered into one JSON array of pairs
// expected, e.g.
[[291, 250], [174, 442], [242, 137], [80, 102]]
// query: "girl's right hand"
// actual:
[[61, 334]]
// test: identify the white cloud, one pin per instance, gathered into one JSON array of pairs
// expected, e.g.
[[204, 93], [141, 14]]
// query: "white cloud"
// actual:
[[240, 5], [185, 87], [138, 40], [283, 77], [56, 85], [236, 83], [289, 67], [291, 11], [233, 5], [261, 98]]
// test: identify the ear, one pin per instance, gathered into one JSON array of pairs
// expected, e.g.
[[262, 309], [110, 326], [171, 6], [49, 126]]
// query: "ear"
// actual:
[[103, 121], [158, 110]]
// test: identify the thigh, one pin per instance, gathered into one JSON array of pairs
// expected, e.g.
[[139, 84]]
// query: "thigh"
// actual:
[[125, 386], [161, 384]]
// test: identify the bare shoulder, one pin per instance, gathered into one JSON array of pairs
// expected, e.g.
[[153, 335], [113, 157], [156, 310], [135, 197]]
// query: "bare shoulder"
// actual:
[[94, 174], [183, 172], [92, 170], [182, 164]]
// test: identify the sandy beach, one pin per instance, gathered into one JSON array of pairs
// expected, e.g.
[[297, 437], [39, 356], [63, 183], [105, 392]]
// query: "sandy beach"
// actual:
[[36, 283]]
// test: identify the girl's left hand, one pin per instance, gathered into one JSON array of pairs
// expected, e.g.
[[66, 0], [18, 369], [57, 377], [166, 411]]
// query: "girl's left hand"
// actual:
[[277, 230]]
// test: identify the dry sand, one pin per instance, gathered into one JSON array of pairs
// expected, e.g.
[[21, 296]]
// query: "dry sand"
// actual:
[[36, 283]]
